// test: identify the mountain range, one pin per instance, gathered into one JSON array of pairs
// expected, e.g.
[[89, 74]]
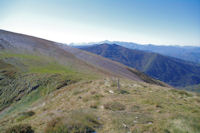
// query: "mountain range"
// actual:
[[174, 71], [49, 87], [188, 53]]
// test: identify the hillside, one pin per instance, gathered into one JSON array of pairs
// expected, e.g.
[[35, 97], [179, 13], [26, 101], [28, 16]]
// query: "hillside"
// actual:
[[173, 71], [67, 56], [97, 105], [48, 87], [36, 67]]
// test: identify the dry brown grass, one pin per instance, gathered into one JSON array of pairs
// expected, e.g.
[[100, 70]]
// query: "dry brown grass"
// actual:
[[148, 108]]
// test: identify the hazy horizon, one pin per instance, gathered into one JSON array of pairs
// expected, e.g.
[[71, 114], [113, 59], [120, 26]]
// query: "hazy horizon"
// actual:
[[76, 21]]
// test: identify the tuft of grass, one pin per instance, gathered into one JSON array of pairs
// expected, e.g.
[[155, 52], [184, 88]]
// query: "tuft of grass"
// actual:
[[97, 96], [25, 115], [184, 124], [121, 91], [95, 105], [181, 92], [135, 108], [113, 84], [20, 129], [114, 106], [76, 122]]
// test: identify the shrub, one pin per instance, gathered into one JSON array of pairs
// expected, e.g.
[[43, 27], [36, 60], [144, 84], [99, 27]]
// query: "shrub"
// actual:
[[77, 122], [114, 106], [28, 113], [20, 129], [25, 115], [114, 84], [181, 92], [94, 106], [122, 91], [97, 96], [184, 93], [135, 108]]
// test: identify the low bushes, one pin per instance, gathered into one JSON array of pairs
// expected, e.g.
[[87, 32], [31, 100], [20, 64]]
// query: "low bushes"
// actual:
[[76, 122], [181, 92], [20, 129], [25, 115], [122, 91]]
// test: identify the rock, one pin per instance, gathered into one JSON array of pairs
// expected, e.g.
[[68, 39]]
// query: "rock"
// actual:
[[134, 121], [111, 91], [150, 122], [102, 107], [125, 125]]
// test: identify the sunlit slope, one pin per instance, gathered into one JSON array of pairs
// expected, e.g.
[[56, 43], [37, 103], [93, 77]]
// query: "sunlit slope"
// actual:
[[98, 105]]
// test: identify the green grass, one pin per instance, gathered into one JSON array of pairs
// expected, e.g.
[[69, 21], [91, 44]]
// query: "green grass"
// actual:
[[184, 124], [82, 103], [24, 115], [20, 129], [114, 106], [52, 68], [146, 108], [33, 77], [76, 122], [5, 54]]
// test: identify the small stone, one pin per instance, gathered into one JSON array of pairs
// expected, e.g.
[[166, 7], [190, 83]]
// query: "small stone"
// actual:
[[102, 107], [150, 122], [111, 91], [124, 125]]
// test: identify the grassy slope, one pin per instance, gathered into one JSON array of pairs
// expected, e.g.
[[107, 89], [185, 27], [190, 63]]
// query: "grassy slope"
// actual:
[[25, 78], [71, 91], [137, 107]]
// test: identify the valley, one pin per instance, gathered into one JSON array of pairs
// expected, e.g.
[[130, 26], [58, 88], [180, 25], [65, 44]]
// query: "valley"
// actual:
[[173, 71]]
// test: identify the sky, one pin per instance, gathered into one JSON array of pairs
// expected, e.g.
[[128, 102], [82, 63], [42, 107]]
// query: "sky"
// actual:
[[161, 22]]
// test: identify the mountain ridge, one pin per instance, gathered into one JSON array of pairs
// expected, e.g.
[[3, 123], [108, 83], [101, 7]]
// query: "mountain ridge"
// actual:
[[188, 53], [167, 69]]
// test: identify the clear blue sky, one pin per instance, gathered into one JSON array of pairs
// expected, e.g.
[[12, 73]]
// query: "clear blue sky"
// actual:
[[171, 22]]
